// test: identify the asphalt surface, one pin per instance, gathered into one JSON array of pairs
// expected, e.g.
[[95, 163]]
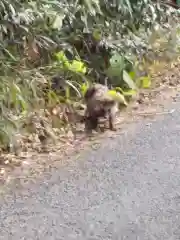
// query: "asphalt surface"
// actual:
[[129, 188]]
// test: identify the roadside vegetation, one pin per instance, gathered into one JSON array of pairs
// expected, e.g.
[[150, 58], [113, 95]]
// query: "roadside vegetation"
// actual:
[[116, 43]]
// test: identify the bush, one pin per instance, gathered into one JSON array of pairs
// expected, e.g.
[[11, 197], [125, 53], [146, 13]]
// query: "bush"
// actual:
[[81, 41]]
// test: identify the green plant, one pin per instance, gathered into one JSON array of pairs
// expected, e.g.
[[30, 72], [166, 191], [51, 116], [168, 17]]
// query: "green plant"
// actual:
[[84, 42]]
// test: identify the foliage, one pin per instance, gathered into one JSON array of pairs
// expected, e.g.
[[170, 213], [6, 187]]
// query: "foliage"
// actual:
[[84, 41]]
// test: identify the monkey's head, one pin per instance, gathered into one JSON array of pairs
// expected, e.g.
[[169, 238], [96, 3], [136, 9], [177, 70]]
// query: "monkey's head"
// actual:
[[58, 84]]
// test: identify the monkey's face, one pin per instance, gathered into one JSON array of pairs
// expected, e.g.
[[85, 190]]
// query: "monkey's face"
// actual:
[[58, 84]]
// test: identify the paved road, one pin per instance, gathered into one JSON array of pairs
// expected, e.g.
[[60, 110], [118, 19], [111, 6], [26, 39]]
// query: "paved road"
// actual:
[[127, 189]]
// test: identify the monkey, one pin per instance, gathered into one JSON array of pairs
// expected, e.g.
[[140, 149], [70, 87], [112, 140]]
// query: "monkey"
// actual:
[[99, 105]]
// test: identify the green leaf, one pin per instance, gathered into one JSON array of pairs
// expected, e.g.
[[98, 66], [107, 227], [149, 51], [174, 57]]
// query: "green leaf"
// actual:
[[22, 102], [118, 89], [132, 74], [97, 34], [84, 88], [116, 66], [117, 97], [145, 82], [57, 24], [77, 66], [128, 80], [129, 93], [60, 56], [52, 97], [67, 93]]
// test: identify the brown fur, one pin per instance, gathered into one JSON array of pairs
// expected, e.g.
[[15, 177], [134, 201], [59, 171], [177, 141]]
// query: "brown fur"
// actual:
[[99, 105]]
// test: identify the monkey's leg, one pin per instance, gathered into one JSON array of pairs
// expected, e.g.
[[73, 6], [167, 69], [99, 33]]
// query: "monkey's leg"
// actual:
[[92, 123]]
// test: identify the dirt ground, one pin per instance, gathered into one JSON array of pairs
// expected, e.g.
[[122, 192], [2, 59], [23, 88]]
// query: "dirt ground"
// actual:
[[29, 165]]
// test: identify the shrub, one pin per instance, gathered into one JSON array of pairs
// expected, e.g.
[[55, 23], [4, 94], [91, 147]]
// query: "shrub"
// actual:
[[82, 41]]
